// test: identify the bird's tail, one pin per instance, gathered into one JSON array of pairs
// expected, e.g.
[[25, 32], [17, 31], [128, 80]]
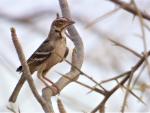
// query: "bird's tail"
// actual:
[[17, 89], [19, 69]]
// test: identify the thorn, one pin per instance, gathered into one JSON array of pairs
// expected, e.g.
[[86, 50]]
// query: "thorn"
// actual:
[[57, 15]]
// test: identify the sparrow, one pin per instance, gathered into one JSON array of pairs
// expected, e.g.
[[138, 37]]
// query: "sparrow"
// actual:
[[51, 52]]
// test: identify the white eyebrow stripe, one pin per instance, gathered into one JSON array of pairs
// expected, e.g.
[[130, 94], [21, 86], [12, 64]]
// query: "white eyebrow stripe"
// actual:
[[42, 53], [39, 59], [62, 18]]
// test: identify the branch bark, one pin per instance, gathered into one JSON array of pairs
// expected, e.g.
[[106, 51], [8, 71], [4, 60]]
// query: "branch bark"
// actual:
[[77, 55], [128, 7], [131, 72], [77, 61], [26, 72]]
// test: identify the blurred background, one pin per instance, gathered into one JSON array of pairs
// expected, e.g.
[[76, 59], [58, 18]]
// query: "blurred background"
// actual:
[[103, 60]]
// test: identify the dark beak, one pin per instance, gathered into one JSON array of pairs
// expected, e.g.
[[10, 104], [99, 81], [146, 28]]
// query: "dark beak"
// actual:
[[71, 22]]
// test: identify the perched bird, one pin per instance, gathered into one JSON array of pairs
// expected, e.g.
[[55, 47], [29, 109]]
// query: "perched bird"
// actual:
[[49, 53]]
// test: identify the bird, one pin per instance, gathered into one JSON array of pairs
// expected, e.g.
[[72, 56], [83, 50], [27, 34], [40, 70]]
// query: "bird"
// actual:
[[51, 52]]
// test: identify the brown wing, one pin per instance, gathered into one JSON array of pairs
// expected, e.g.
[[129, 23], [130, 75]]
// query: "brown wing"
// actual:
[[66, 53], [40, 55]]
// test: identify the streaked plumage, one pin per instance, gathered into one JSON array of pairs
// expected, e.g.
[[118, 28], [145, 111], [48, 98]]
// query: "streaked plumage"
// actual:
[[49, 53]]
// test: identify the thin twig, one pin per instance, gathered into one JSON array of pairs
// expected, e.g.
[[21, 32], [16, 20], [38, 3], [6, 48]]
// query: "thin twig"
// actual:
[[81, 72], [131, 92], [125, 47], [101, 106], [108, 14], [146, 26], [60, 106], [128, 7], [116, 77], [12, 110], [138, 76], [143, 35], [108, 94], [84, 85], [127, 92], [145, 52]]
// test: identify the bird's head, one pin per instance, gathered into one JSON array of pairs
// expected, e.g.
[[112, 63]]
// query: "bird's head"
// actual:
[[61, 23]]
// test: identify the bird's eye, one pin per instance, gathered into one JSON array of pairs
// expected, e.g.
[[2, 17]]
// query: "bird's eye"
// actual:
[[59, 23]]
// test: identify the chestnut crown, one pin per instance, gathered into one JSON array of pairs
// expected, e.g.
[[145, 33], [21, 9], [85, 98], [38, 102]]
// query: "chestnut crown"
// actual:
[[61, 23]]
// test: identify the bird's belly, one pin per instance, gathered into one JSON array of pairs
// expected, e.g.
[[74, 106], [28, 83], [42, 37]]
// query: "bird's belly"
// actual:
[[57, 56]]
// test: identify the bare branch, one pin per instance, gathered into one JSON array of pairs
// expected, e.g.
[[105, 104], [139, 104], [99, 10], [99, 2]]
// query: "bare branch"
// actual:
[[116, 77], [102, 17], [126, 48], [109, 93], [82, 84], [60, 106], [77, 55], [26, 71], [128, 7]]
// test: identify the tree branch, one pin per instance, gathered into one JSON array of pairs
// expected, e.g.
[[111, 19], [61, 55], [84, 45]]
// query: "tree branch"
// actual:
[[77, 55], [26, 72], [128, 7], [109, 93]]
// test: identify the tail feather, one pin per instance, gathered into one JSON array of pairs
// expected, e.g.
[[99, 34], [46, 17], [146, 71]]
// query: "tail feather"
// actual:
[[19, 69]]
